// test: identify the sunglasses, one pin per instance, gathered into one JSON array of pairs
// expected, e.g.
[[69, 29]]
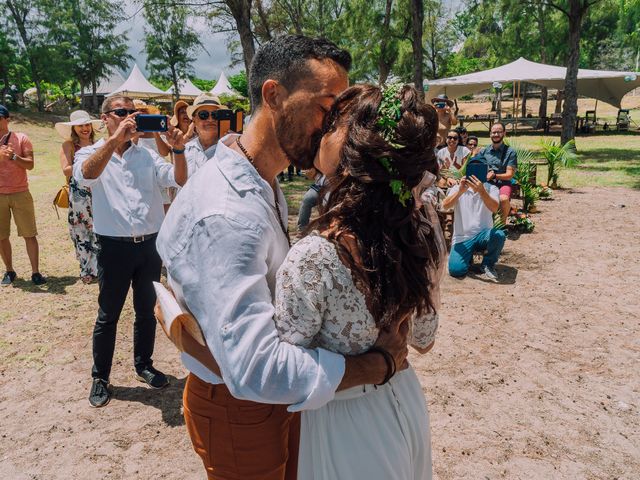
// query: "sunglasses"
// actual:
[[205, 114], [121, 112], [452, 138], [472, 144]]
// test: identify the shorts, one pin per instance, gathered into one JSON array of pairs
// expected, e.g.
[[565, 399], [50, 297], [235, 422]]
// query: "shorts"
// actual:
[[20, 205], [506, 190]]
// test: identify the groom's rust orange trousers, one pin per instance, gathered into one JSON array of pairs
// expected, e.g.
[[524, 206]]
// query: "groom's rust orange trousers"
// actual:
[[239, 439]]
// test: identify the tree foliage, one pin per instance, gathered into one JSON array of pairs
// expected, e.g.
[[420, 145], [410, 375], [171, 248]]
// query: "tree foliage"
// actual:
[[171, 43]]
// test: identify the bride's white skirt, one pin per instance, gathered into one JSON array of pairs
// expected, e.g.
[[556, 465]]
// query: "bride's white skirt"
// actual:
[[369, 433]]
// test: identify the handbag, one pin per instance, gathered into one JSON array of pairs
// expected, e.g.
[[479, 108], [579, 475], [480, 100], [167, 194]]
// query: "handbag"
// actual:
[[61, 199]]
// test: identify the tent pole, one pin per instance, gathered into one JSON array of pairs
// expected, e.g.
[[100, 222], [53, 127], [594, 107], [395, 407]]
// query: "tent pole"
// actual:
[[515, 125]]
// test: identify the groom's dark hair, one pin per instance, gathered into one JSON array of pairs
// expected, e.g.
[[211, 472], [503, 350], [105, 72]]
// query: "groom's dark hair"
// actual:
[[284, 59]]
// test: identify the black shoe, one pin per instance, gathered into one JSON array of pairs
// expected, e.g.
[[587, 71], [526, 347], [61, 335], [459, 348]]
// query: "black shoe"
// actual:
[[8, 278], [38, 279], [152, 377], [100, 393]]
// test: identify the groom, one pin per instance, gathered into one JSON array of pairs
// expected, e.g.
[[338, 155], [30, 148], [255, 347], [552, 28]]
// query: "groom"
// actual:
[[222, 242]]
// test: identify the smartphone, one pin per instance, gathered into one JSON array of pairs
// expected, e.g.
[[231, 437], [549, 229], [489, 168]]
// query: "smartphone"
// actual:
[[477, 169], [151, 123], [224, 118]]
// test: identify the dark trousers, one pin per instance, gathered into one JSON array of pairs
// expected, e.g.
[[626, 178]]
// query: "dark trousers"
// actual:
[[120, 265]]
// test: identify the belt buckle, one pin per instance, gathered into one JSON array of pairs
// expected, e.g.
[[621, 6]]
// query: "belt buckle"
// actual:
[[139, 239]]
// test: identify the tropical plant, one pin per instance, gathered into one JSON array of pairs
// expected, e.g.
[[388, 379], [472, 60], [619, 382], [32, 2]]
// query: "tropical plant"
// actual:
[[525, 176], [523, 222], [558, 156]]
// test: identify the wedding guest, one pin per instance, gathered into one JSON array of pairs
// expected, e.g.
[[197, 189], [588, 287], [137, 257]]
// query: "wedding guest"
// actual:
[[446, 116], [455, 154], [202, 147], [80, 132], [125, 181], [16, 157]]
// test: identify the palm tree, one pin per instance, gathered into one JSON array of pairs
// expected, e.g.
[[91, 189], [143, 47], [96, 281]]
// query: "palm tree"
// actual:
[[558, 157]]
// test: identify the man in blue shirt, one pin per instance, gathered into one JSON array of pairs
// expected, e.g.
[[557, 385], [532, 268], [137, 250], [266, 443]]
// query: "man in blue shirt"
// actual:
[[502, 161]]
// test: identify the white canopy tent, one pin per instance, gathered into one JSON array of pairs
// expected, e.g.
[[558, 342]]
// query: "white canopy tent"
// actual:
[[109, 84], [186, 89], [137, 86], [608, 86], [223, 87]]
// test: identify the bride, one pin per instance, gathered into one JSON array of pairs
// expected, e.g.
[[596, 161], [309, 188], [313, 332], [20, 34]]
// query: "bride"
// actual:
[[370, 260]]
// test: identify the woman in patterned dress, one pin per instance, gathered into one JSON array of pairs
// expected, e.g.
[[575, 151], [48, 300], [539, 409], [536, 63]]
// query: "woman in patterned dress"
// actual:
[[80, 132], [373, 258]]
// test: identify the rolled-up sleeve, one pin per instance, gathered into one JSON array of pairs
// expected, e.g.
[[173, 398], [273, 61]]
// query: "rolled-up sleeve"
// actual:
[[165, 175], [222, 272], [80, 157]]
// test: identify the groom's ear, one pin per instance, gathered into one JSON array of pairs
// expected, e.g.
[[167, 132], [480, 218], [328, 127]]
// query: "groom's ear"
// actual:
[[273, 94]]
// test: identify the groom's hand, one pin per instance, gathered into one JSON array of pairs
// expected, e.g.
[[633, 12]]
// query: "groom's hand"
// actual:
[[394, 340]]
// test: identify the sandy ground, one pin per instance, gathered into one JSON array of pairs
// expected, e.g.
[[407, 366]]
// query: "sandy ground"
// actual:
[[536, 377]]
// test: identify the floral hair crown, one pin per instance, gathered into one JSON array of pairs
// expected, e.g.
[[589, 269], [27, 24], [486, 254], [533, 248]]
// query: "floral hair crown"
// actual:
[[389, 113]]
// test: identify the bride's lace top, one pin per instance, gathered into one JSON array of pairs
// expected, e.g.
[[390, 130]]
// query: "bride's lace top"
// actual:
[[318, 304]]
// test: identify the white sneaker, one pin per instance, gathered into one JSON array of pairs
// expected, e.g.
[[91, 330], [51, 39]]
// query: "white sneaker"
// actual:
[[490, 273]]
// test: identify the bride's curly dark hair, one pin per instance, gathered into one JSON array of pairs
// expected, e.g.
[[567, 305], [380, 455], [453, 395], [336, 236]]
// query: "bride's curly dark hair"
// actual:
[[396, 244]]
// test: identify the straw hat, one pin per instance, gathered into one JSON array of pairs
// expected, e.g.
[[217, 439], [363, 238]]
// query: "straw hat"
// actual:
[[179, 104], [143, 107], [79, 117], [202, 100], [442, 98]]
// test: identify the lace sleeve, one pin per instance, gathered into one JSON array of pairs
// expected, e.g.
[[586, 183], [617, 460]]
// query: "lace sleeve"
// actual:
[[423, 330], [299, 294]]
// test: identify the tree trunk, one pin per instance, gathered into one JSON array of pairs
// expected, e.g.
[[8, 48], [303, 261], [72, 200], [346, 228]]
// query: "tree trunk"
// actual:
[[94, 94], [570, 110], [542, 111], [417, 18], [241, 11], [176, 86], [544, 93], [5, 85], [384, 62], [559, 99]]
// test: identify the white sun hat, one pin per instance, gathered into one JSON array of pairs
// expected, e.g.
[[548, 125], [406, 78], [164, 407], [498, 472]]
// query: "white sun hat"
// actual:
[[205, 100], [79, 117]]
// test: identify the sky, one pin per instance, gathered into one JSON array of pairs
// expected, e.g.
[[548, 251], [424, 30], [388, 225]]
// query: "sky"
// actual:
[[207, 65]]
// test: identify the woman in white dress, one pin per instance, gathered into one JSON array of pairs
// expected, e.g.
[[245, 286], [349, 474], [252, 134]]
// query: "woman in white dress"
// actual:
[[455, 154], [372, 259]]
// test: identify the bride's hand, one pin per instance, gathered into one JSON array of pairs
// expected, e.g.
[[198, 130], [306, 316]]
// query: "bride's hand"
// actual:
[[394, 340]]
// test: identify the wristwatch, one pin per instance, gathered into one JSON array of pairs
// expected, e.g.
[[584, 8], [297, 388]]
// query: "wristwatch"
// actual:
[[14, 156]]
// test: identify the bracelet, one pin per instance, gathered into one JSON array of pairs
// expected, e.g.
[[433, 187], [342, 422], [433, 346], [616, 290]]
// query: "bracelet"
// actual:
[[176, 151], [389, 360]]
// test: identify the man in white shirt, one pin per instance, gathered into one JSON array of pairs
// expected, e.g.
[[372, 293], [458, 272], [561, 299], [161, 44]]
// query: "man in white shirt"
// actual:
[[222, 243], [474, 204], [125, 181]]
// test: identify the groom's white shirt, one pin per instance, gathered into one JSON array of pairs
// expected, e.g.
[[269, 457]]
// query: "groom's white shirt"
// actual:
[[222, 245]]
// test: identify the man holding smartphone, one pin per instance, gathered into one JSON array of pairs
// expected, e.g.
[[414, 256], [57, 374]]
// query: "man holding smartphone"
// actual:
[[474, 204], [125, 181]]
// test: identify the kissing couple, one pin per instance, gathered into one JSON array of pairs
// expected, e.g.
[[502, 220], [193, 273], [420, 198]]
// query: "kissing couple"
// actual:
[[304, 373]]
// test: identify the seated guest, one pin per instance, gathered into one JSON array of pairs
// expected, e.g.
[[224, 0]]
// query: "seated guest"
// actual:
[[502, 161], [472, 144], [464, 135], [455, 154], [446, 117], [474, 204]]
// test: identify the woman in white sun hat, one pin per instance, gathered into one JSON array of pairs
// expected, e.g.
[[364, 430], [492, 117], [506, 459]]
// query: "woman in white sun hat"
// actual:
[[79, 132]]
